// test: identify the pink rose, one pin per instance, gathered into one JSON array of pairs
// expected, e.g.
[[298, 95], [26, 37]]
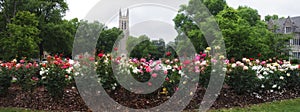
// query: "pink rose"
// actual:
[[166, 72], [263, 62], [148, 69], [154, 75], [167, 79], [22, 61], [143, 60]]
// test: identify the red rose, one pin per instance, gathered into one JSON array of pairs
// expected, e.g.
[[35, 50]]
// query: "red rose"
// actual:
[[203, 55], [64, 67], [56, 62], [100, 55], [168, 54], [68, 64], [44, 65], [259, 55]]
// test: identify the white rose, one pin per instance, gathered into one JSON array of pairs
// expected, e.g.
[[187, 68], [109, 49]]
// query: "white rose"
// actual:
[[274, 86], [281, 77], [233, 65], [245, 68]]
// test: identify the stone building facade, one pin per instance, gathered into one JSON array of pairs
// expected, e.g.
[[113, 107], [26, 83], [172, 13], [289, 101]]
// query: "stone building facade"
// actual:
[[289, 25]]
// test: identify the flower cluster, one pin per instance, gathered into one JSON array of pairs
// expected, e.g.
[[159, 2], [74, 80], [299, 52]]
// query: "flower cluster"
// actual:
[[267, 75], [244, 76]]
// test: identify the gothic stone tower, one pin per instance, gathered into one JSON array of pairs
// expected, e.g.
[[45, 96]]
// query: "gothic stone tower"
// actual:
[[124, 26]]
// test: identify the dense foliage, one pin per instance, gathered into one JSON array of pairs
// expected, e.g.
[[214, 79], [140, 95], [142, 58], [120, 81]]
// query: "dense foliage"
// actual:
[[245, 35]]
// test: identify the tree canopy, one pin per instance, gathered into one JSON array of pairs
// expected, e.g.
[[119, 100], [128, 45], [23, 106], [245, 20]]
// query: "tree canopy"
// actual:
[[244, 33], [30, 27]]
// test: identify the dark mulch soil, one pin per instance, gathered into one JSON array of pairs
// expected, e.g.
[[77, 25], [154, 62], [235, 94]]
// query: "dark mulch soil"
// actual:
[[71, 101]]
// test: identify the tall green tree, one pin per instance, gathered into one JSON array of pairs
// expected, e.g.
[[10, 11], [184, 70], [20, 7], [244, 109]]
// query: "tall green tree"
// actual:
[[86, 37], [60, 37], [48, 12], [245, 35], [248, 14], [215, 6], [22, 37], [273, 17], [141, 47], [107, 39]]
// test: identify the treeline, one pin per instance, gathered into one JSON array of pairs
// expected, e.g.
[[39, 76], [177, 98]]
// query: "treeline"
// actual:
[[30, 27]]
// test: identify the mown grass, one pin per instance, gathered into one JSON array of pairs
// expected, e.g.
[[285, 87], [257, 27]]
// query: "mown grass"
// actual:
[[292, 105]]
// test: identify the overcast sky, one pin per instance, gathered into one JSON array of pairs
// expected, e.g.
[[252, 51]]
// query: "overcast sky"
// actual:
[[159, 24], [79, 8]]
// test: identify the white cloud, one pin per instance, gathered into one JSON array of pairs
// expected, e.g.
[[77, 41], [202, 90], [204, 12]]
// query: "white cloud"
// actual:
[[79, 8], [283, 8]]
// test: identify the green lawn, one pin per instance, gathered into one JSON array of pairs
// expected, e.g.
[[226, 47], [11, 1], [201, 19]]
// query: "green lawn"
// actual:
[[278, 106]]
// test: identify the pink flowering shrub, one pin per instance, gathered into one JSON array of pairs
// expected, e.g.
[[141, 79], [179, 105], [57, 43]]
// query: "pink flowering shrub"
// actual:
[[26, 75]]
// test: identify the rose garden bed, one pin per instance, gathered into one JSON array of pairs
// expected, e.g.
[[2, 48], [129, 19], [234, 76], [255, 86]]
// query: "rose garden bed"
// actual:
[[51, 85]]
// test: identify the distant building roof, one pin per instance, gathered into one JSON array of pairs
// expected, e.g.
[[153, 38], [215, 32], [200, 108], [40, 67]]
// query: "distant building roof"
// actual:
[[282, 23]]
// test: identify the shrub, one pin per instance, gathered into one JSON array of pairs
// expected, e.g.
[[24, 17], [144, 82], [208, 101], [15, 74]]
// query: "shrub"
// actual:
[[205, 76], [292, 79], [274, 81], [242, 81], [56, 76], [295, 61], [26, 75], [5, 80], [105, 73]]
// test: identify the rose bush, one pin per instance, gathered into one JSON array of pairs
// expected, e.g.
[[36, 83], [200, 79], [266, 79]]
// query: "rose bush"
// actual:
[[244, 76], [56, 75]]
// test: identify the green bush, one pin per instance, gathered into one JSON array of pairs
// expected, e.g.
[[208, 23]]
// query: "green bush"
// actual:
[[105, 73], [295, 61], [242, 81], [205, 77], [292, 79], [55, 77], [5, 80], [27, 77], [273, 81]]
